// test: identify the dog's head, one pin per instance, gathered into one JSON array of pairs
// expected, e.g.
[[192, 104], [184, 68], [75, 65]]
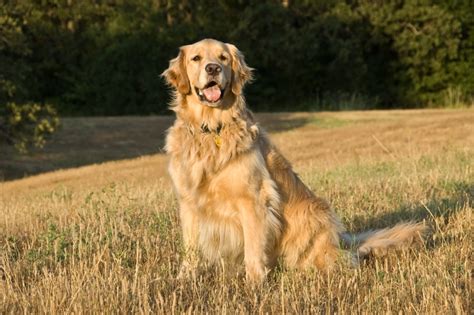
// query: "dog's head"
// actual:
[[208, 71]]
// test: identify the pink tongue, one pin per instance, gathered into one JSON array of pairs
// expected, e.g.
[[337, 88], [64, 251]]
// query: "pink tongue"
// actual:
[[212, 93]]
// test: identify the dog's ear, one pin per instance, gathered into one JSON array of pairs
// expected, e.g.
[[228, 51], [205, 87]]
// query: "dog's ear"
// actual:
[[241, 73], [176, 75]]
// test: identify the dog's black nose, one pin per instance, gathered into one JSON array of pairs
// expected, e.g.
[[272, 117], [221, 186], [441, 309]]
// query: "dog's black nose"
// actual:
[[213, 68]]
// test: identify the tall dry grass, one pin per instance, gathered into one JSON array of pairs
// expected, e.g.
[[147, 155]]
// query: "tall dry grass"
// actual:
[[106, 239]]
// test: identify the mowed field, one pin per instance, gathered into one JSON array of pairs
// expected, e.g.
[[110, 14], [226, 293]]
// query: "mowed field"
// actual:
[[105, 238]]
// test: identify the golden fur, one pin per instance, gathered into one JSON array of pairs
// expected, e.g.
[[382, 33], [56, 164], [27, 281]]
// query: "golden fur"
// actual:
[[239, 197]]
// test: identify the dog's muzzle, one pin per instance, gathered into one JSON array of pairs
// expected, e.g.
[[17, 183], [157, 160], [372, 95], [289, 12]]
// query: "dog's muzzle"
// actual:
[[211, 92]]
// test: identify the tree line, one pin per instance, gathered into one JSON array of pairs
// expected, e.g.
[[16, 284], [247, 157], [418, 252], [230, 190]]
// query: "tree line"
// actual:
[[104, 57]]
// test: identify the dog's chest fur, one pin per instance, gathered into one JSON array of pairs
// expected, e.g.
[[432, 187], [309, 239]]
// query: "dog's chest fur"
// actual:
[[204, 152]]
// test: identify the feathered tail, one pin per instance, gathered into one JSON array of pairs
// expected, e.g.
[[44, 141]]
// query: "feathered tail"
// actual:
[[378, 242]]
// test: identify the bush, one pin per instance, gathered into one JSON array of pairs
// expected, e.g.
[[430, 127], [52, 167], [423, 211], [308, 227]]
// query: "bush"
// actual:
[[28, 125]]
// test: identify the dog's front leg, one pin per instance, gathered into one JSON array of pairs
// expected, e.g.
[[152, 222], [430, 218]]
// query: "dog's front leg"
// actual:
[[256, 235], [190, 231]]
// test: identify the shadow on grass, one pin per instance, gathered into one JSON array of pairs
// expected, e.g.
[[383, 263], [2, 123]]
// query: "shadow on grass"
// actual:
[[88, 140], [280, 122], [437, 208]]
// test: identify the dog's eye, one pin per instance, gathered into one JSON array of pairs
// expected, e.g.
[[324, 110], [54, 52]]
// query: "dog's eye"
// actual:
[[222, 58], [196, 58]]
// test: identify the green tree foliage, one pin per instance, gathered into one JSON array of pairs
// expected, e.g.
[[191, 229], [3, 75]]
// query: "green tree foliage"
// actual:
[[462, 68], [91, 57], [22, 124], [14, 50], [425, 40]]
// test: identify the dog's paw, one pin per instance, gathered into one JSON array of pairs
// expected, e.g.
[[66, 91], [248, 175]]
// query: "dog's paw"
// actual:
[[255, 274]]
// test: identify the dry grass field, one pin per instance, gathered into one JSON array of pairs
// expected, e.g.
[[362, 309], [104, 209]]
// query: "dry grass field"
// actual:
[[105, 238]]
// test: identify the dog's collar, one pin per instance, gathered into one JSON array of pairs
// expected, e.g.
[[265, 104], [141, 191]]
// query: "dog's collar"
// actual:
[[205, 129], [217, 133]]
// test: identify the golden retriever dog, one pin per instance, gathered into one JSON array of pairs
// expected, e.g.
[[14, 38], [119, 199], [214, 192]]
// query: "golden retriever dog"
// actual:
[[239, 198]]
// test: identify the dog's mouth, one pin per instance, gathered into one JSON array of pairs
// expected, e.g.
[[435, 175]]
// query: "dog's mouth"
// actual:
[[211, 93]]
